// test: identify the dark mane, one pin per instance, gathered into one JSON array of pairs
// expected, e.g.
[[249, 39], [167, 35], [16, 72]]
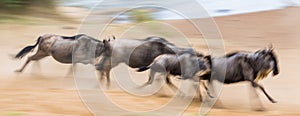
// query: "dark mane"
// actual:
[[72, 37], [231, 54], [159, 39], [189, 51]]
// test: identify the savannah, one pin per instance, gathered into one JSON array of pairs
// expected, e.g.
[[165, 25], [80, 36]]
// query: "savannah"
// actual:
[[45, 88]]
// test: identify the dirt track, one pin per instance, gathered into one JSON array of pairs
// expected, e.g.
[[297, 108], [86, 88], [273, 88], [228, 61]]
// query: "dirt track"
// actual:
[[43, 89]]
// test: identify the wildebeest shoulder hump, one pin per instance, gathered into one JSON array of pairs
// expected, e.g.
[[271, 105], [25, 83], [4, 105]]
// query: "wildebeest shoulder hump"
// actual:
[[73, 37]]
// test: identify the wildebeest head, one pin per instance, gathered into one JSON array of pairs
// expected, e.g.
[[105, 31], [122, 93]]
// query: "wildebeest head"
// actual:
[[275, 61], [102, 47], [268, 60]]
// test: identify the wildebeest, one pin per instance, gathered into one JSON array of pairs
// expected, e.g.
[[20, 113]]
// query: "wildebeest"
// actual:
[[186, 65], [135, 53], [245, 66], [62, 49]]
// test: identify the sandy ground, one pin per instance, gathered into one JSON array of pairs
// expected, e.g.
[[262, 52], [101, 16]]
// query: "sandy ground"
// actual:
[[45, 89]]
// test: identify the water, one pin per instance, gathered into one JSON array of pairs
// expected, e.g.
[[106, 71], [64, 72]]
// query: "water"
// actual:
[[213, 7]]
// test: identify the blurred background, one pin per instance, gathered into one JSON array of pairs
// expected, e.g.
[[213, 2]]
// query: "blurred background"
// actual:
[[51, 8], [44, 88]]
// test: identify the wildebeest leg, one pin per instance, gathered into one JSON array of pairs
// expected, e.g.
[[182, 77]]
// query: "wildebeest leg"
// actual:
[[70, 71], [254, 84], [204, 85], [37, 56], [210, 91], [101, 76], [257, 104], [107, 79], [150, 80], [198, 90], [172, 86], [206, 89]]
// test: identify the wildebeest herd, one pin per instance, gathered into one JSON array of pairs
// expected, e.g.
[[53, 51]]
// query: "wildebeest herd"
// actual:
[[159, 56]]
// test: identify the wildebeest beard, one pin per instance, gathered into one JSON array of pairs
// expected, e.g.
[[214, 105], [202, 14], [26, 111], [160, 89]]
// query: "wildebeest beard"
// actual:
[[275, 67]]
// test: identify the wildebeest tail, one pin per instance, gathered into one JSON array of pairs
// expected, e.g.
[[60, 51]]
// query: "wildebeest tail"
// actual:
[[27, 49], [141, 69]]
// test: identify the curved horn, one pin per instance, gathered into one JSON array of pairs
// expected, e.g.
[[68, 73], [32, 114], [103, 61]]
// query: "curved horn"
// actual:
[[270, 47]]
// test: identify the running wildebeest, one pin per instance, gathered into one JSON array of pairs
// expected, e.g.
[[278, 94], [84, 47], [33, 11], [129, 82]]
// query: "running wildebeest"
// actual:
[[187, 65], [61, 48], [245, 66], [135, 53]]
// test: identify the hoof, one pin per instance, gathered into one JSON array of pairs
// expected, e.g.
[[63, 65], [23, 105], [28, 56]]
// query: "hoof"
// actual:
[[18, 71], [260, 109], [181, 95], [107, 87], [273, 101], [219, 107], [210, 96], [139, 86], [163, 95]]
